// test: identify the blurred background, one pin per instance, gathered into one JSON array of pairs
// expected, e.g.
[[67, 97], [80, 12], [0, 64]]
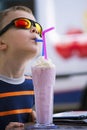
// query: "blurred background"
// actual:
[[66, 46]]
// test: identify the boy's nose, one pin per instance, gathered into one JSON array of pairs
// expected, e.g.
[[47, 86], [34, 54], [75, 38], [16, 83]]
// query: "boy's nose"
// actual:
[[33, 30]]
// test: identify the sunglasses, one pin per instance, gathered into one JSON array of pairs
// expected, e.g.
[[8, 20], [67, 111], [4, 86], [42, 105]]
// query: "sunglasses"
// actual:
[[23, 23]]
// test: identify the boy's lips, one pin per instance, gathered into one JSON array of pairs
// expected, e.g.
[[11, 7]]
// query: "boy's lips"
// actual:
[[33, 39], [37, 39]]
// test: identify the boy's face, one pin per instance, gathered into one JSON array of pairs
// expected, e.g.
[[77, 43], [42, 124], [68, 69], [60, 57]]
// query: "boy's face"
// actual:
[[20, 42]]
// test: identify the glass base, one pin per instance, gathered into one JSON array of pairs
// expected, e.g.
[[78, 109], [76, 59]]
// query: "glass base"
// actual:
[[42, 126]]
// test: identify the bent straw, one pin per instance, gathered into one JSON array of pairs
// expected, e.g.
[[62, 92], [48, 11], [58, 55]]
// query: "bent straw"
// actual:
[[44, 49]]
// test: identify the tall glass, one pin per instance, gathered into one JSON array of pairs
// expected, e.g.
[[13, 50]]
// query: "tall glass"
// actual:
[[44, 80]]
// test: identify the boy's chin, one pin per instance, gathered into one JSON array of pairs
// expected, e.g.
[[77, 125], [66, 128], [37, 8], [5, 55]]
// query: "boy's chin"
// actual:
[[33, 55]]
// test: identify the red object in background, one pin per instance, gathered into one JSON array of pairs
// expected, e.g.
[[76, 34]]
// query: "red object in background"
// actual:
[[74, 31], [74, 47], [82, 49], [67, 50], [64, 50]]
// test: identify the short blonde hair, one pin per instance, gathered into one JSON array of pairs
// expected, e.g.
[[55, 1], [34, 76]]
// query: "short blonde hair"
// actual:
[[4, 13]]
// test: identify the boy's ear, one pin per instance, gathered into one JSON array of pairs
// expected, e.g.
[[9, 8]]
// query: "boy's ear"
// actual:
[[3, 45]]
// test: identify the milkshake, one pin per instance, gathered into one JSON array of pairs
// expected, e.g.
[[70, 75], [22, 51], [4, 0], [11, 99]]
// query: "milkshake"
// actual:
[[43, 75]]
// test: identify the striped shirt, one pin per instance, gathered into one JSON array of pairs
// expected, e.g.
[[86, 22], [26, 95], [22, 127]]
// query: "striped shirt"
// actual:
[[16, 102]]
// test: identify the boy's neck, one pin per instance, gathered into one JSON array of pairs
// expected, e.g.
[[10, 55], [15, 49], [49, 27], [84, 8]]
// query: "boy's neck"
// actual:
[[12, 69]]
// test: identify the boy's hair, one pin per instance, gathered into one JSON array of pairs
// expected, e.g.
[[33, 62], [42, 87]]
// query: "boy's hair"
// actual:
[[13, 8]]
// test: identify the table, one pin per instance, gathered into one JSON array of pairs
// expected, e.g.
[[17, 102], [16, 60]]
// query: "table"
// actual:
[[61, 126]]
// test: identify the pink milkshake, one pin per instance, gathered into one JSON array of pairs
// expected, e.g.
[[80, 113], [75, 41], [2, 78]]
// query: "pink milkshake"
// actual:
[[43, 75]]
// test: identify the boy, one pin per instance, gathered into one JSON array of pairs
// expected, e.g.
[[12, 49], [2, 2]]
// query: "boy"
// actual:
[[18, 31]]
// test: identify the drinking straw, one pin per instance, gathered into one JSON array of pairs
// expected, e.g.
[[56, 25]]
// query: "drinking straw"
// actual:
[[38, 40], [44, 49]]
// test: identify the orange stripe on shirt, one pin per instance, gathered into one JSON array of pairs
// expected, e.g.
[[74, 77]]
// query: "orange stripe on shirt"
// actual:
[[18, 111], [8, 94]]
